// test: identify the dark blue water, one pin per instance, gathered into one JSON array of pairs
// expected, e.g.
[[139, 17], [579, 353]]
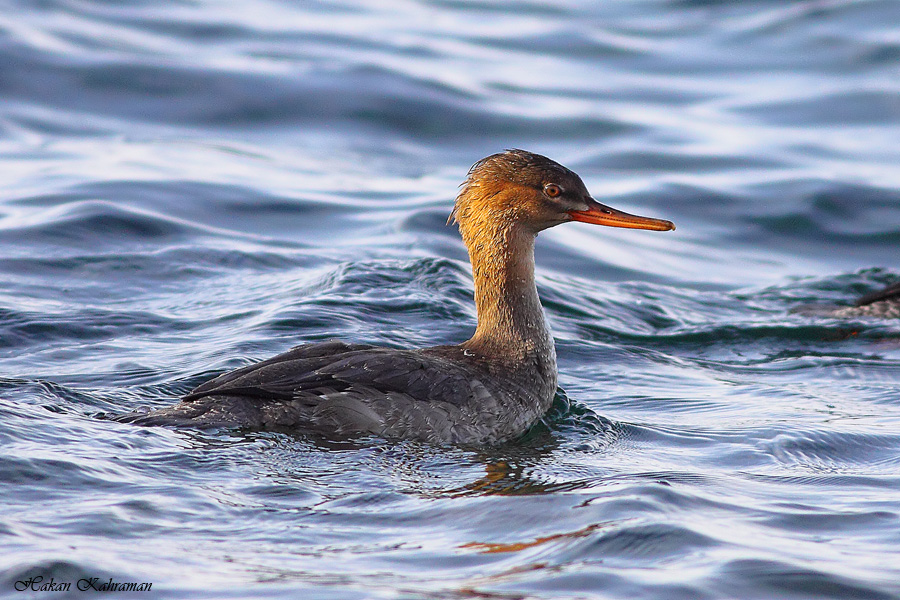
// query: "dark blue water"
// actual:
[[188, 187]]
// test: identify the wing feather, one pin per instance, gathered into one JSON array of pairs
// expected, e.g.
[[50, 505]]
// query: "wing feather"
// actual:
[[345, 388]]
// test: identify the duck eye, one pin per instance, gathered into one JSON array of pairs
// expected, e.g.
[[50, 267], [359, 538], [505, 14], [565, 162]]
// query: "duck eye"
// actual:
[[552, 190]]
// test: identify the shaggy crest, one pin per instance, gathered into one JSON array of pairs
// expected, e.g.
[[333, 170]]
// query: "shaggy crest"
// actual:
[[513, 166]]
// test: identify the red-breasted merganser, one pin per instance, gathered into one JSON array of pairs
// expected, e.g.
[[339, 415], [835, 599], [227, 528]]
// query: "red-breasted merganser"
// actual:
[[487, 390]]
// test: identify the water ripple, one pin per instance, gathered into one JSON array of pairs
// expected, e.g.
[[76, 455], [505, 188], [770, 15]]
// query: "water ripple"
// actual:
[[192, 187]]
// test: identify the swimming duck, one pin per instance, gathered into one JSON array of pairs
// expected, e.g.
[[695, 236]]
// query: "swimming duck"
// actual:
[[486, 390]]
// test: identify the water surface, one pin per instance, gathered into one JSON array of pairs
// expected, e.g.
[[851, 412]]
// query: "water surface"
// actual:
[[189, 187]]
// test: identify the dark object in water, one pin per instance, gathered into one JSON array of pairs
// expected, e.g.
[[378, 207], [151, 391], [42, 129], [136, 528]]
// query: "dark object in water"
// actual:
[[881, 304], [884, 304]]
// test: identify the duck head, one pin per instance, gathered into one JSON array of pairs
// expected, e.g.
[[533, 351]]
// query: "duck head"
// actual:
[[531, 192]]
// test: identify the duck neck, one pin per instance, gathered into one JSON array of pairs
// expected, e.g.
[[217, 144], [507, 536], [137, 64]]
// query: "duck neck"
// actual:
[[510, 318]]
